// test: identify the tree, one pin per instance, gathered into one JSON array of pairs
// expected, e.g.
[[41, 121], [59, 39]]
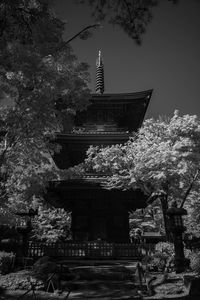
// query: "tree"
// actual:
[[192, 220], [51, 224], [162, 159], [43, 84], [133, 16]]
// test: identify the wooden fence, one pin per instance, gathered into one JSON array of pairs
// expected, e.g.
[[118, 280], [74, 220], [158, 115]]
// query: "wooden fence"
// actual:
[[90, 250]]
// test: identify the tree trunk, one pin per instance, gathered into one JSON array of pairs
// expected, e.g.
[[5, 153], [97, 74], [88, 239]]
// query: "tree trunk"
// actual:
[[164, 205]]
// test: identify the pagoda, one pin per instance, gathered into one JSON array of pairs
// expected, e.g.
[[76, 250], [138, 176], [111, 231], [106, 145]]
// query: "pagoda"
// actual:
[[99, 214]]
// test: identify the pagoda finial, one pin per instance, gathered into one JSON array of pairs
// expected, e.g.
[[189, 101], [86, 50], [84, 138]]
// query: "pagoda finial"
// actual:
[[99, 75]]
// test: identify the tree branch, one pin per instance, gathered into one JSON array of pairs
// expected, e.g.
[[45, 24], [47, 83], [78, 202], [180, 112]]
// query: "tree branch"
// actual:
[[76, 35], [189, 188], [155, 196], [152, 198], [3, 24], [128, 9]]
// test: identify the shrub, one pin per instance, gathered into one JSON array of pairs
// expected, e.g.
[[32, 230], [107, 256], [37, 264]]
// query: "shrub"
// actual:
[[163, 256], [188, 253], [165, 247], [159, 260], [195, 262], [52, 225], [6, 259], [43, 267], [20, 280]]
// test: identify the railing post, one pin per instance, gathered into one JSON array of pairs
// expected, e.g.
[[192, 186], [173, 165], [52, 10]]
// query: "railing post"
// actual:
[[90, 249]]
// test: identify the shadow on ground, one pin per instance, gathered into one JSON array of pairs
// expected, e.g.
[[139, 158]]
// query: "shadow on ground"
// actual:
[[97, 291]]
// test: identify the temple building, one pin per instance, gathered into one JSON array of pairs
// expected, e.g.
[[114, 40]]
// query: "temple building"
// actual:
[[97, 213]]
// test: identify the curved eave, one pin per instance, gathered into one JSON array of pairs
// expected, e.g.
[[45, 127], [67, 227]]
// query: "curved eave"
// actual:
[[77, 184], [103, 137], [75, 189], [123, 96]]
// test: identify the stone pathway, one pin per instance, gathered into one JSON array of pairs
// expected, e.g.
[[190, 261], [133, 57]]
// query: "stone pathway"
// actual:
[[100, 281], [104, 290], [93, 290]]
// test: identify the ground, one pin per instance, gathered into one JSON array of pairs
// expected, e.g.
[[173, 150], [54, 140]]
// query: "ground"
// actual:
[[101, 290], [14, 285]]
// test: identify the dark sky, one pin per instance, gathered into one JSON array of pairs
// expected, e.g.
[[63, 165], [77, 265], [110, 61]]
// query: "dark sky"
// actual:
[[168, 60]]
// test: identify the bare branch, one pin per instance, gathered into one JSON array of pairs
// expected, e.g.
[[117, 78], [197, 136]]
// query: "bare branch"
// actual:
[[152, 198], [156, 195], [189, 188], [76, 35]]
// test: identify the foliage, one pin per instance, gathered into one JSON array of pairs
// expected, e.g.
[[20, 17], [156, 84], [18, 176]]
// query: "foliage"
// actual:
[[133, 16], [149, 219], [163, 158], [7, 219], [188, 253], [192, 220], [162, 257], [6, 259], [20, 280], [52, 225], [42, 83], [195, 262], [159, 260], [43, 267], [165, 247]]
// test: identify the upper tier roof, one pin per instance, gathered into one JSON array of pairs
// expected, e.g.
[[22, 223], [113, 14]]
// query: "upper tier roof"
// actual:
[[117, 96], [114, 112], [108, 120]]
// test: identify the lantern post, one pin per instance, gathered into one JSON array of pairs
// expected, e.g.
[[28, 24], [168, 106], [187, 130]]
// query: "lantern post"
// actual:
[[175, 215], [26, 226]]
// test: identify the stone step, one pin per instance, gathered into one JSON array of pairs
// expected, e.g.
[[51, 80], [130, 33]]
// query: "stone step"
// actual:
[[103, 272], [99, 285], [101, 289]]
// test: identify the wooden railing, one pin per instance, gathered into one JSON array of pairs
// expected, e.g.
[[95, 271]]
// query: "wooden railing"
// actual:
[[89, 250]]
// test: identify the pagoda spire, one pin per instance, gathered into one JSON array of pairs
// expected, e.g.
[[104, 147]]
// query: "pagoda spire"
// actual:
[[99, 75]]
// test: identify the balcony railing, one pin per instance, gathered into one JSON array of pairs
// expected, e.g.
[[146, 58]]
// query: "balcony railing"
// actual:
[[90, 250]]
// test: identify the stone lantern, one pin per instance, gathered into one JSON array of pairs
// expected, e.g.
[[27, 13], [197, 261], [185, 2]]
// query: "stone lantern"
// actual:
[[25, 226], [176, 227]]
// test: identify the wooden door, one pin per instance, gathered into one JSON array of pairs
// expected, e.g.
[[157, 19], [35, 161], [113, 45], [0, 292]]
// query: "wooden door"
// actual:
[[99, 228]]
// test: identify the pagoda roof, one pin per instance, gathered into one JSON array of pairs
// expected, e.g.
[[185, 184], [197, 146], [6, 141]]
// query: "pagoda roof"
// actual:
[[108, 120], [90, 186], [84, 181], [126, 110], [123, 96]]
